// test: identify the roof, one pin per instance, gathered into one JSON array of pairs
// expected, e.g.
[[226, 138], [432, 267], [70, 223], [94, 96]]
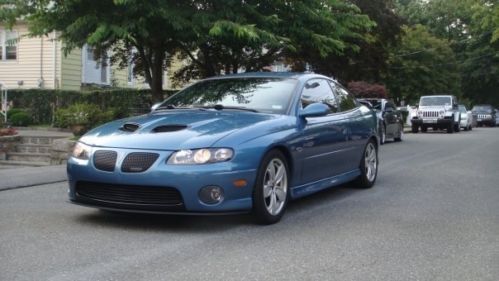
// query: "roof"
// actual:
[[294, 75]]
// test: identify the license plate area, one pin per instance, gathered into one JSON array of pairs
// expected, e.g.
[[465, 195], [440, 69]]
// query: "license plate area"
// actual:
[[430, 121]]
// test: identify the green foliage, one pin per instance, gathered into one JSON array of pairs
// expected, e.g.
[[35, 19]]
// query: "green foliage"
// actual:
[[89, 115], [422, 65], [43, 104], [20, 118]]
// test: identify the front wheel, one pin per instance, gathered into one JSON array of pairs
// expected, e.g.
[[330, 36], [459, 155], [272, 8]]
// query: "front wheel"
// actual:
[[368, 166], [270, 196]]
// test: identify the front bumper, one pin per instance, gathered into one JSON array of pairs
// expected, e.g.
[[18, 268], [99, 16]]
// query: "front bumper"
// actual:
[[186, 180], [441, 122]]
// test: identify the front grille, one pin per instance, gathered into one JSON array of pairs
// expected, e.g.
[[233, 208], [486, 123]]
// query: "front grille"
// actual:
[[105, 160], [483, 116], [129, 194], [137, 162], [430, 113]]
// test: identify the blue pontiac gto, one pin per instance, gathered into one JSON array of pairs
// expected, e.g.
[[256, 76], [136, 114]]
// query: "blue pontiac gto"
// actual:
[[238, 143]]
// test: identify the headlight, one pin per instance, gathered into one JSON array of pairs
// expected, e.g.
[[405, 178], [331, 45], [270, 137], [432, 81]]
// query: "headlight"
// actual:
[[442, 113], [201, 156], [81, 151], [420, 113]]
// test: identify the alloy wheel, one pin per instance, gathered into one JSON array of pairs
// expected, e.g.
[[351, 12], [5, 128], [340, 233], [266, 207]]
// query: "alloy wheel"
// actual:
[[275, 186]]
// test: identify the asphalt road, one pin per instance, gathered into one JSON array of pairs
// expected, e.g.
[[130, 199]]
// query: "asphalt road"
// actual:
[[432, 215]]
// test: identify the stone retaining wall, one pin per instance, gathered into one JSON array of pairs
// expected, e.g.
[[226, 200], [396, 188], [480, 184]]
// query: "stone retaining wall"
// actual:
[[61, 148], [8, 144]]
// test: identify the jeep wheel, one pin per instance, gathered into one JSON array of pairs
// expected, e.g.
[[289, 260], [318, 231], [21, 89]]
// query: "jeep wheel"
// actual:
[[450, 128]]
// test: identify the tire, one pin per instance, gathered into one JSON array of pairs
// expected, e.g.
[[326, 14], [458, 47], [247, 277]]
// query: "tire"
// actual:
[[415, 129], [450, 128], [368, 166], [457, 126], [382, 135], [401, 134], [424, 129], [471, 128], [271, 194], [465, 128]]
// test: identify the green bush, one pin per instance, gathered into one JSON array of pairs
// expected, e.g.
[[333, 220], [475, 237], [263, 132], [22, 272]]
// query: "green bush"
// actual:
[[43, 105], [20, 119], [13, 111], [86, 114]]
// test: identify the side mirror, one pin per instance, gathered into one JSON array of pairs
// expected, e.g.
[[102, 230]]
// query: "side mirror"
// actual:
[[155, 106], [314, 110]]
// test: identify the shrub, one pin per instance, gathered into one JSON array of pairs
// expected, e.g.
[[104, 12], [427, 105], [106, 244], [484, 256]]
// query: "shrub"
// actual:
[[84, 115], [20, 119]]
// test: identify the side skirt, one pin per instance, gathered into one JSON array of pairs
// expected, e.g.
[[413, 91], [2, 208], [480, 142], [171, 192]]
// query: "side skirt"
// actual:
[[309, 188]]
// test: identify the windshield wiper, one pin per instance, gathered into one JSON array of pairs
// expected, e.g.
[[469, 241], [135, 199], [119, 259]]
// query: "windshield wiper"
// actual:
[[170, 106], [222, 107]]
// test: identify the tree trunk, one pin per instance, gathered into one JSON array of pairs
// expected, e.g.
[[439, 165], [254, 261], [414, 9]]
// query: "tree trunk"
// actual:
[[156, 83]]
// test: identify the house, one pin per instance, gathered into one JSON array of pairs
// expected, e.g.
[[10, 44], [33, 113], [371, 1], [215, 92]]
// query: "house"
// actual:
[[39, 62]]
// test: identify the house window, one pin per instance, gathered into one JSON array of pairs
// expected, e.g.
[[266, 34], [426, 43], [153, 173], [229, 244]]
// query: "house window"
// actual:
[[8, 45]]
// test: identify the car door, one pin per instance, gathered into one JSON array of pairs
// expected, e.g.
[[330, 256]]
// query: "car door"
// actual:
[[322, 139], [392, 118], [360, 124]]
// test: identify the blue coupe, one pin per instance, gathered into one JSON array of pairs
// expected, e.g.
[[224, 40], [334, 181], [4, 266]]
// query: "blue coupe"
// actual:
[[238, 143]]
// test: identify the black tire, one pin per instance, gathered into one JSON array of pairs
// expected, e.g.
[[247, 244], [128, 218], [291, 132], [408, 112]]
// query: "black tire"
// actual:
[[400, 135], [365, 180], [415, 129], [424, 129], [382, 135], [450, 128], [457, 126], [260, 212]]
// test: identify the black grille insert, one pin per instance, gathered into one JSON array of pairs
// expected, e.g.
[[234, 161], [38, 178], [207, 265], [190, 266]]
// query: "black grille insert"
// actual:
[[137, 162], [130, 194], [105, 160]]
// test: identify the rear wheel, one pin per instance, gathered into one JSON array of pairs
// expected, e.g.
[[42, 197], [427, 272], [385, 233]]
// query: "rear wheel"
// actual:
[[270, 196], [400, 134], [368, 166]]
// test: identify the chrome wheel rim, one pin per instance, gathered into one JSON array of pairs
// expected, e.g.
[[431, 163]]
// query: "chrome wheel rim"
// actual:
[[275, 186], [371, 162]]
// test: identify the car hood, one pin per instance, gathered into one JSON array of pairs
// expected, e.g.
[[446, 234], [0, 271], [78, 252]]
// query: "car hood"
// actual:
[[482, 112], [435, 107], [173, 130]]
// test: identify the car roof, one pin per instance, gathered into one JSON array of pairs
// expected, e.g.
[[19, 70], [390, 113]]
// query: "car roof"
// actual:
[[292, 75]]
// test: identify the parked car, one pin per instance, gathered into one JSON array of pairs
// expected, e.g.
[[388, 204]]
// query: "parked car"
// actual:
[[437, 112], [239, 143], [484, 114], [391, 124], [466, 118]]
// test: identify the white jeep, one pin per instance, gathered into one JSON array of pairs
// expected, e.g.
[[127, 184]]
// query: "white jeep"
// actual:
[[437, 112]]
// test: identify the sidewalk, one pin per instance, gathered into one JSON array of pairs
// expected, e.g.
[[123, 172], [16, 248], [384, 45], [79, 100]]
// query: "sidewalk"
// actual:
[[29, 176]]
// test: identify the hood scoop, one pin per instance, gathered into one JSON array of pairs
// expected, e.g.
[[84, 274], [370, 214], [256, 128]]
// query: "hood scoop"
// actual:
[[130, 127], [169, 128]]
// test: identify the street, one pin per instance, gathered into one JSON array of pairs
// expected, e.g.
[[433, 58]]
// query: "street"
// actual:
[[432, 215]]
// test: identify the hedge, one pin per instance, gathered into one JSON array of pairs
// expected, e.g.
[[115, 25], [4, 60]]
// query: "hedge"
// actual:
[[42, 104]]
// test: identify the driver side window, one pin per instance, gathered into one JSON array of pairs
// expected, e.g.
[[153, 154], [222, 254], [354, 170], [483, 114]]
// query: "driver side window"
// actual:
[[318, 90]]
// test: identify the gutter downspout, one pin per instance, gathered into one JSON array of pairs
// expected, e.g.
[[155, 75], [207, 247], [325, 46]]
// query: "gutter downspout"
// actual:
[[40, 80]]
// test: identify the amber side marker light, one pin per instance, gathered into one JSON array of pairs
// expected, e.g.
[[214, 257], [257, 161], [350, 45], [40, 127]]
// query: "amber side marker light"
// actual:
[[240, 183]]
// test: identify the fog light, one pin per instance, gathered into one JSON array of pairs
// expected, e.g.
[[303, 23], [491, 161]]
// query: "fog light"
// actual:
[[211, 194]]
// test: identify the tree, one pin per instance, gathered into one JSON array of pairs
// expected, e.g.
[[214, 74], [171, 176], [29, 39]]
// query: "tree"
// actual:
[[214, 35], [362, 89], [368, 61], [422, 65], [254, 34]]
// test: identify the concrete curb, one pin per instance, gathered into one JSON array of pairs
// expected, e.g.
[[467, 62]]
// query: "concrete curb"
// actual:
[[31, 176]]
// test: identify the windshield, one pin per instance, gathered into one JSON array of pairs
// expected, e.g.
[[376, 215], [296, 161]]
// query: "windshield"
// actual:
[[270, 95], [433, 101], [487, 108], [462, 109]]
